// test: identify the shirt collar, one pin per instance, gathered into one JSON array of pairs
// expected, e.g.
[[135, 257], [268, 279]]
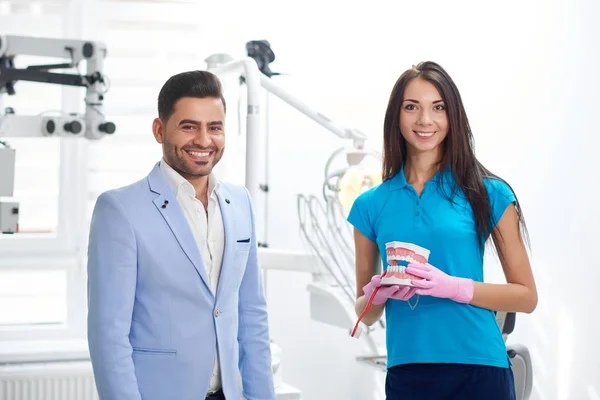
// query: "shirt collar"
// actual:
[[398, 181], [178, 182]]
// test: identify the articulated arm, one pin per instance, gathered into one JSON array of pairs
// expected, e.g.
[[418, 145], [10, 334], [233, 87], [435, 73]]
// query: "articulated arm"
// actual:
[[92, 124], [256, 74]]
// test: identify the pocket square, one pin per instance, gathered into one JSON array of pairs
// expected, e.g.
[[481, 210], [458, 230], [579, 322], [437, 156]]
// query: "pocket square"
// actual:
[[244, 240]]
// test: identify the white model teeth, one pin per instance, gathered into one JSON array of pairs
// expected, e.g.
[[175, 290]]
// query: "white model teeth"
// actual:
[[409, 259], [396, 269], [425, 134], [199, 154]]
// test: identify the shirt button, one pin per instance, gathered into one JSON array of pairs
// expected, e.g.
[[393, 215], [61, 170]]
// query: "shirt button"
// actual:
[[217, 313]]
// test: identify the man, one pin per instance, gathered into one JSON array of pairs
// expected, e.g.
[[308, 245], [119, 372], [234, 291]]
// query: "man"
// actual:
[[176, 304]]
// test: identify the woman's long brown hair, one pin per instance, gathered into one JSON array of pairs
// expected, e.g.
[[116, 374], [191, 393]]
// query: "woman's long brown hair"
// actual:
[[458, 154]]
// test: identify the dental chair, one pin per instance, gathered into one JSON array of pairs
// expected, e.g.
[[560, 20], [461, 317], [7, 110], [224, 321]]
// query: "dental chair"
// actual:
[[519, 355]]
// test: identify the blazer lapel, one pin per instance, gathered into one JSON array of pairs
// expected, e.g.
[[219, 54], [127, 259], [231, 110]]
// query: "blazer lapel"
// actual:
[[228, 214], [169, 208]]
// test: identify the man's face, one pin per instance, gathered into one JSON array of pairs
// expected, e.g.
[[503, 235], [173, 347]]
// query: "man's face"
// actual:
[[193, 138]]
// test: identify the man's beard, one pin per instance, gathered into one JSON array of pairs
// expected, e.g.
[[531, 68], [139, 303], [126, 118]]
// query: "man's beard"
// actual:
[[189, 168]]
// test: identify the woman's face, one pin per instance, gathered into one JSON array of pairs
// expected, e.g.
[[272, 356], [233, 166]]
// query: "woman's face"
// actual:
[[423, 118]]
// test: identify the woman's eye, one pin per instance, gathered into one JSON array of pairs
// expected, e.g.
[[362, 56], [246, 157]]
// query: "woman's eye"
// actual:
[[409, 107], [440, 108]]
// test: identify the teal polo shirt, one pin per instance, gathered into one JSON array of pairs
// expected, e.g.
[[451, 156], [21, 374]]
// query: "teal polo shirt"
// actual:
[[437, 330]]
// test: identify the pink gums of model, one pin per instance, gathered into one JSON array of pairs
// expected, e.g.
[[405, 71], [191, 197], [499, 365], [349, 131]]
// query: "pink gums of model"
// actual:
[[399, 255]]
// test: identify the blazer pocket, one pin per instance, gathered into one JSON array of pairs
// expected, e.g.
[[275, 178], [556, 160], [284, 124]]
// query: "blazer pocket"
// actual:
[[145, 350], [242, 247], [244, 240]]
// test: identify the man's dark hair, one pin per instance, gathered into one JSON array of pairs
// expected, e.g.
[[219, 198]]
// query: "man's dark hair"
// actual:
[[200, 84]]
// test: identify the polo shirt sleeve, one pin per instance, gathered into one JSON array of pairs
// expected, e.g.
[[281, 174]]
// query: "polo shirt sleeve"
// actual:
[[501, 196], [360, 214]]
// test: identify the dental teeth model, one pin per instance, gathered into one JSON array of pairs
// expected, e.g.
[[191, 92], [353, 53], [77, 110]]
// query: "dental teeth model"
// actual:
[[396, 275], [399, 255]]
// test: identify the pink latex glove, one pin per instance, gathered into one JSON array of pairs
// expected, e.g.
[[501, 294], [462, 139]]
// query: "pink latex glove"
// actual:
[[440, 284], [387, 292]]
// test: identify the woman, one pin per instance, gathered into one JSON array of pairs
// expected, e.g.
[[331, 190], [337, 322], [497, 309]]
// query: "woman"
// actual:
[[443, 341]]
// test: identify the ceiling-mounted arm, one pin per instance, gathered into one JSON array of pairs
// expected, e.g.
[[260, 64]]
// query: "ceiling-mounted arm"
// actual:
[[256, 73], [358, 137], [73, 50], [9, 75], [92, 124]]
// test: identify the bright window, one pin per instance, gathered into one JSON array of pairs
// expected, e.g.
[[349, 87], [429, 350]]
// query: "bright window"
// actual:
[[35, 272], [37, 179], [33, 298]]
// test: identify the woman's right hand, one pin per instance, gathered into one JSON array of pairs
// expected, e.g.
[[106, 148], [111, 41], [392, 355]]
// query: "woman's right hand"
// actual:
[[386, 292]]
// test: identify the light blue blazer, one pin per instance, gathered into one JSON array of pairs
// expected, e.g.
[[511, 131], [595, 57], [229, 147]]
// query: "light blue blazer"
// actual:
[[153, 322]]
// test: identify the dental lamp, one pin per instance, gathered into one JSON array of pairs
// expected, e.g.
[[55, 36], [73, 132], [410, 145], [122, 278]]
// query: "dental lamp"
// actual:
[[353, 177], [90, 125]]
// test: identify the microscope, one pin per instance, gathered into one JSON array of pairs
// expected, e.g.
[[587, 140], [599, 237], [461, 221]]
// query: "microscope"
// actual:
[[90, 125]]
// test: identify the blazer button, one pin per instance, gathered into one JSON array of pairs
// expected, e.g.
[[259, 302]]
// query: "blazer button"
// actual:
[[217, 313]]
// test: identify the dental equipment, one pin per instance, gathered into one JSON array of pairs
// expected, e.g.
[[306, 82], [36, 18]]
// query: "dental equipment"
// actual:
[[90, 125], [256, 80]]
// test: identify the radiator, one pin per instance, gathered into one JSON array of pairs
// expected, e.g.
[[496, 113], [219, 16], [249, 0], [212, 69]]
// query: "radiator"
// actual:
[[65, 380]]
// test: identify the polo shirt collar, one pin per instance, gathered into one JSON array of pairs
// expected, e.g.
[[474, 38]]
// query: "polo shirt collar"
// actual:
[[399, 181]]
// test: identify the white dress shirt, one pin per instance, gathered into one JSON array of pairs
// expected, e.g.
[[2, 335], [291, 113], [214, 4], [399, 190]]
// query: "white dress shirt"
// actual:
[[208, 230]]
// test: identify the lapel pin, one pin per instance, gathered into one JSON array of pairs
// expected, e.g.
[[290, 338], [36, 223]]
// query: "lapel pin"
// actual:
[[165, 204], [227, 201]]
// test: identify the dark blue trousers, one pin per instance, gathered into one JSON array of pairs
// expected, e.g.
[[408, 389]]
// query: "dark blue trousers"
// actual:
[[449, 382]]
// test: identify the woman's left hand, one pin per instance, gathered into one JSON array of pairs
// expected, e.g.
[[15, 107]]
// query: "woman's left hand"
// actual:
[[437, 283]]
